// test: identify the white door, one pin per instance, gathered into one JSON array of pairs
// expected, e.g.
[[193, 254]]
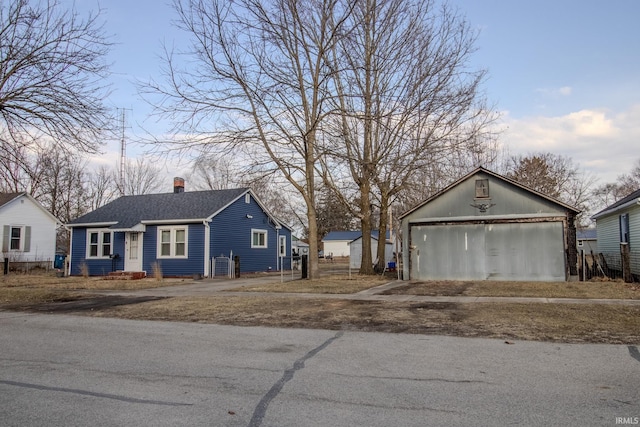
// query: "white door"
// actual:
[[133, 252]]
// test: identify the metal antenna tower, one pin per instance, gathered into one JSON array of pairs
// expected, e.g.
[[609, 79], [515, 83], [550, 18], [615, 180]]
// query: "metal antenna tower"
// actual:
[[123, 152]]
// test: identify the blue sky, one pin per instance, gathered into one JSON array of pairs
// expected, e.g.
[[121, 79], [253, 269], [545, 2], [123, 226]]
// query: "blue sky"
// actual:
[[564, 74]]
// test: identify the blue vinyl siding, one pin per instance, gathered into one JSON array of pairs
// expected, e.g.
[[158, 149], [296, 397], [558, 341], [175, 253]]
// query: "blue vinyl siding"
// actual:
[[231, 232], [97, 267], [179, 266]]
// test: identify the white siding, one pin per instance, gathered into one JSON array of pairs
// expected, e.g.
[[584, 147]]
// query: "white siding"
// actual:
[[355, 254], [23, 212], [338, 248]]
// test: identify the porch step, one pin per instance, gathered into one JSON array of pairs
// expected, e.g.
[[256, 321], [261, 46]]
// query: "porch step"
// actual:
[[126, 275]]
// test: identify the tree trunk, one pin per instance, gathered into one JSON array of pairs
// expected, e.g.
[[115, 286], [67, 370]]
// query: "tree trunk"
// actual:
[[382, 233], [366, 266]]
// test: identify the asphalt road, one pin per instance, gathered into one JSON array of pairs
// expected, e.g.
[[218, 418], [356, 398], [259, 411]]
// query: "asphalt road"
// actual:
[[58, 370]]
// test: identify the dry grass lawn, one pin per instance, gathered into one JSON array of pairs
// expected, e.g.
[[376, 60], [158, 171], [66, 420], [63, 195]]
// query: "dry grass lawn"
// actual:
[[509, 321], [543, 322], [591, 290], [46, 287], [333, 284]]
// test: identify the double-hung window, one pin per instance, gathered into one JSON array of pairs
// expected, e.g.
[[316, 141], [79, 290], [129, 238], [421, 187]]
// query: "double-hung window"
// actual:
[[172, 242], [258, 238], [99, 243], [16, 238]]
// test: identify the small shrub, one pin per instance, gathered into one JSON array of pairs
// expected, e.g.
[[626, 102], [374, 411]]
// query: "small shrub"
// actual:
[[156, 271], [84, 270]]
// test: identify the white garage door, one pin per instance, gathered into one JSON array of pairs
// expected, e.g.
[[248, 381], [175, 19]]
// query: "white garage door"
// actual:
[[514, 251]]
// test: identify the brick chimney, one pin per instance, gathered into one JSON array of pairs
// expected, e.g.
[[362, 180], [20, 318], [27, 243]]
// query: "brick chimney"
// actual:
[[178, 185]]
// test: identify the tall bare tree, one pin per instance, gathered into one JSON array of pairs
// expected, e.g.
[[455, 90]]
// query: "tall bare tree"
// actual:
[[608, 193], [52, 70], [259, 69], [212, 172], [141, 177], [555, 176], [406, 99], [101, 187]]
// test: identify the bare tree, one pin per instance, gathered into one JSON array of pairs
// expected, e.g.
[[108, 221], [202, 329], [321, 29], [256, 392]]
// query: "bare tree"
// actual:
[[52, 70], [406, 100], [258, 68], [608, 193], [141, 177], [212, 172], [101, 187], [555, 176], [333, 214]]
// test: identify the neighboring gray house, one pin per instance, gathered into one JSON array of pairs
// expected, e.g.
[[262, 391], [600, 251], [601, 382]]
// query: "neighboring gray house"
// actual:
[[587, 240], [618, 225], [488, 227]]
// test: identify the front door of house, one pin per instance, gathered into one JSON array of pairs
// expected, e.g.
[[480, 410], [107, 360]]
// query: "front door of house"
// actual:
[[133, 251]]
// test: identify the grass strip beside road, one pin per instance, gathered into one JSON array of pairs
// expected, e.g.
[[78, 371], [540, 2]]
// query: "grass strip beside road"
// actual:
[[335, 284], [573, 323], [588, 290]]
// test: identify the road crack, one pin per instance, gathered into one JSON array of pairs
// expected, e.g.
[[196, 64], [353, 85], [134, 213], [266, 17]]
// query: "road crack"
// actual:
[[263, 405]]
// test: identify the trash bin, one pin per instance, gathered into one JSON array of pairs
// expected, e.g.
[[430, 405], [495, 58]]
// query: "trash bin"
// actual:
[[58, 261]]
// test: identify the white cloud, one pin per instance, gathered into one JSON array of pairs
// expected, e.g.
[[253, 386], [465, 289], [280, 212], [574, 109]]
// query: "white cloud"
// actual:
[[555, 92], [565, 91], [600, 142]]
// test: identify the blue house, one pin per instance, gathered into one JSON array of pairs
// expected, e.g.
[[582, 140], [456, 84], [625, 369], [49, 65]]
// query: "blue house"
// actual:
[[179, 232]]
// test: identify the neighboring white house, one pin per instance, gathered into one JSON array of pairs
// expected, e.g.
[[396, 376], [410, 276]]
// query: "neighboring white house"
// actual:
[[355, 247], [336, 243], [28, 230]]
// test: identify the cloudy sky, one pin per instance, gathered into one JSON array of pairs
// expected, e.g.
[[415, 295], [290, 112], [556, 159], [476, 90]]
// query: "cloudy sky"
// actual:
[[565, 75]]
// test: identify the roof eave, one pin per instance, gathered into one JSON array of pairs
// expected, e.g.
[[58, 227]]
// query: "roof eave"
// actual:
[[616, 209], [92, 224]]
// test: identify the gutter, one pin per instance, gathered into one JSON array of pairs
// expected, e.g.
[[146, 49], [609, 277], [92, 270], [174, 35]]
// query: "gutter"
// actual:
[[617, 208]]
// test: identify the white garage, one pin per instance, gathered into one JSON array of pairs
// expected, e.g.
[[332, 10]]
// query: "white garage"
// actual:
[[487, 227]]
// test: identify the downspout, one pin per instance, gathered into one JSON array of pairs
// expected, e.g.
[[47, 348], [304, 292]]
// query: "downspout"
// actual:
[[278, 258], [70, 248], [207, 249]]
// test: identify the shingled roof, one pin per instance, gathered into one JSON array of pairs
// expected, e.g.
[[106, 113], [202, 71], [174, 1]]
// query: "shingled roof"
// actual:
[[620, 204], [7, 197], [129, 211]]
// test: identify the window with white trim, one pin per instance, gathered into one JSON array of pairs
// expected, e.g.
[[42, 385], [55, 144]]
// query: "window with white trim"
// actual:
[[99, 243], [16, 237], [172, 242], [282, 247], [258, 238]]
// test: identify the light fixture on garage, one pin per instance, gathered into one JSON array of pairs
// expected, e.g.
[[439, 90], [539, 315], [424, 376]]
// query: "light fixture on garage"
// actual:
[[483, 207]]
